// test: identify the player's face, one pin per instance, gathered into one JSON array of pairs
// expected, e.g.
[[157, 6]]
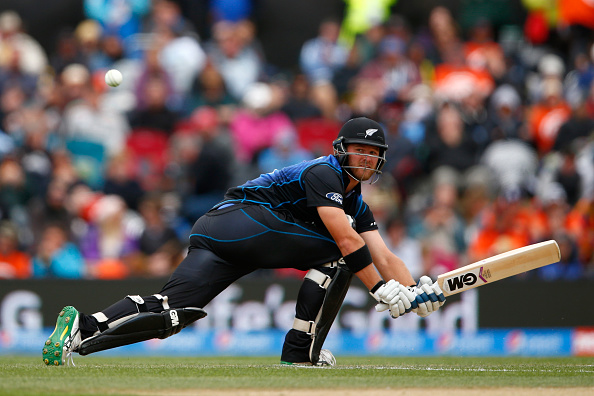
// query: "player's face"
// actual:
[[363, 160]]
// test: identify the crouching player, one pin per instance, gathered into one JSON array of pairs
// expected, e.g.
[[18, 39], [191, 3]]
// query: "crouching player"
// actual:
[[310, 216]]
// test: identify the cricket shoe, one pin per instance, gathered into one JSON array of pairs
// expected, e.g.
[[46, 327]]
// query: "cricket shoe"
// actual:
[[326, 359], [65, 339]]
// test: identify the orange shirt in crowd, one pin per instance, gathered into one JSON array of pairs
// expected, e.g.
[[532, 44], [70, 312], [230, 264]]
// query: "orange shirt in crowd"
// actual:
[[577, 12], [545, 122], [15, 265]]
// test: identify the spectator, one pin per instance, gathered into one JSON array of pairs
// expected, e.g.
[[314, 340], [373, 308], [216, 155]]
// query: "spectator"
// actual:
[[35, 128], [568, 268], [161, 249], [14, 262], [67, 52], [15, 192], [88, 34], [506, 114], [50, 209], [109, 243], [56, 257], [513, 165], [87, 119], [343, 77], [407, 248], [367, 44], [323, 55], [254, 126], [546, 116], [299, 104], [578, 127], [239, 63], [579, 80], [448, 143], [285, 150], [182, 57], [211, 172], [441, 228], [401, 160], [119, 181], [502, 228], [392, 73], [482, 52], [29, 56], [166, 14], [12, 100], [154, 113], [208, 90], [444, 34], [123, 17], [152, 69]]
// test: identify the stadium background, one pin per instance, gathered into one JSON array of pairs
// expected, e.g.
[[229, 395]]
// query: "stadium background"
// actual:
[[437, 211]]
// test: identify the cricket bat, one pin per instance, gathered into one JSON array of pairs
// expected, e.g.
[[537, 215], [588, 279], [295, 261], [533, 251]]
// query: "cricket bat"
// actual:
[[499, 267]]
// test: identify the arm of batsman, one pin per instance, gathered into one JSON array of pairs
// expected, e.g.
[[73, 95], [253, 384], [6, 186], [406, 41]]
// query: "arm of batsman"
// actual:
[[425, 298], [390, 297]]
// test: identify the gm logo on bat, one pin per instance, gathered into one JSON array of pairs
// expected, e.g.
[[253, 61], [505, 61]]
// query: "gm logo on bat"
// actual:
[[466, 280]]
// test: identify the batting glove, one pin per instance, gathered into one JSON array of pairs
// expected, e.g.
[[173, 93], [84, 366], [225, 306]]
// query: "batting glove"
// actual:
[[425, 298], [390, 297]]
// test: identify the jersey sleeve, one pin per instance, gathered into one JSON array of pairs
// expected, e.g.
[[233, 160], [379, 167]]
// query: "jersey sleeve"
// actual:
[[364, 219], [323, 186]]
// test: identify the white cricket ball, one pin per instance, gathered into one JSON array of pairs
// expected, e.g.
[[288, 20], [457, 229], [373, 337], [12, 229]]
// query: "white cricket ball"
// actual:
[[113, 78]]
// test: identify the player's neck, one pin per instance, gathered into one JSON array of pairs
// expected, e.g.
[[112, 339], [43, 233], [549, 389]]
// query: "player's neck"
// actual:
[[352, 184]]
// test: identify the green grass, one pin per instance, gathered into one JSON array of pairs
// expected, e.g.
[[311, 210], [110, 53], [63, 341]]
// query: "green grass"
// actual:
[[96, 375]]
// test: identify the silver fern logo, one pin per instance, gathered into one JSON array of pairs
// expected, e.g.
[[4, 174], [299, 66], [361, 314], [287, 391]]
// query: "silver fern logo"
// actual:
[[370, 132]]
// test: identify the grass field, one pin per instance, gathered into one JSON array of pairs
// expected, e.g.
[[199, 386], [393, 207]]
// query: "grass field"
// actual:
[[362, 376]]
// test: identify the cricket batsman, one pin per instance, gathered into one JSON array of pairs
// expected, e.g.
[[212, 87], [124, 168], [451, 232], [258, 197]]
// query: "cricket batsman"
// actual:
[[309, 216]]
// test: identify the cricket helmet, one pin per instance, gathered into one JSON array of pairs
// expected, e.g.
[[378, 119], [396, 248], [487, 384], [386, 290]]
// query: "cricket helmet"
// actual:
[[360, 130]]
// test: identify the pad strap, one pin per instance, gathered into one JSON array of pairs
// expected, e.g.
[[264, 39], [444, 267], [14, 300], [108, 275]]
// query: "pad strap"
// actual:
[[333, 264], [306, 326], [139, 301], [318, 277], [164, 300], [101, 321]]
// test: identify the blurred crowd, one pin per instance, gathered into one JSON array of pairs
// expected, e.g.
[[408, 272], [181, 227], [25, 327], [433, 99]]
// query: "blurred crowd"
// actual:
[[490, 135]]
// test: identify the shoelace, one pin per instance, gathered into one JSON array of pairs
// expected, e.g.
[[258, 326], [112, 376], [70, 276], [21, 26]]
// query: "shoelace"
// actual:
[[68, 349], [69, 359], [326, 358]]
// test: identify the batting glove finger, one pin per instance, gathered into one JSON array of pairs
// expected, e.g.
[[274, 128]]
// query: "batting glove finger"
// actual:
[[439, 293], [388, 291], [422, 300], [410, 295], [433, 303], [397, 310], [381, 307], [392, 298], [401, 308], [406, 302]]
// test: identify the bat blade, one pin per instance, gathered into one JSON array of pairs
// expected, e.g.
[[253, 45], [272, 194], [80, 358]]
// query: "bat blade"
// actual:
[[499, 267]]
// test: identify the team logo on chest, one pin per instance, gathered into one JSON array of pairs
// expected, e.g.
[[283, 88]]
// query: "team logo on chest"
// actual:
[[336, 197]]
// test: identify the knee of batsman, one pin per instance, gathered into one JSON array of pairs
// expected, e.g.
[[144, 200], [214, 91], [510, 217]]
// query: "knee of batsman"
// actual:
[[176, 319], [173, 320]]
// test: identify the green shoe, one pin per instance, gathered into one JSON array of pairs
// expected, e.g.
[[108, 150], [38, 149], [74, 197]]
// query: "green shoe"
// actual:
[[64, 340]]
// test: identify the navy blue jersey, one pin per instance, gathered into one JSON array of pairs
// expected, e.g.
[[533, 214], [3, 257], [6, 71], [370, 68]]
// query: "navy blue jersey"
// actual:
[[302, 187]]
